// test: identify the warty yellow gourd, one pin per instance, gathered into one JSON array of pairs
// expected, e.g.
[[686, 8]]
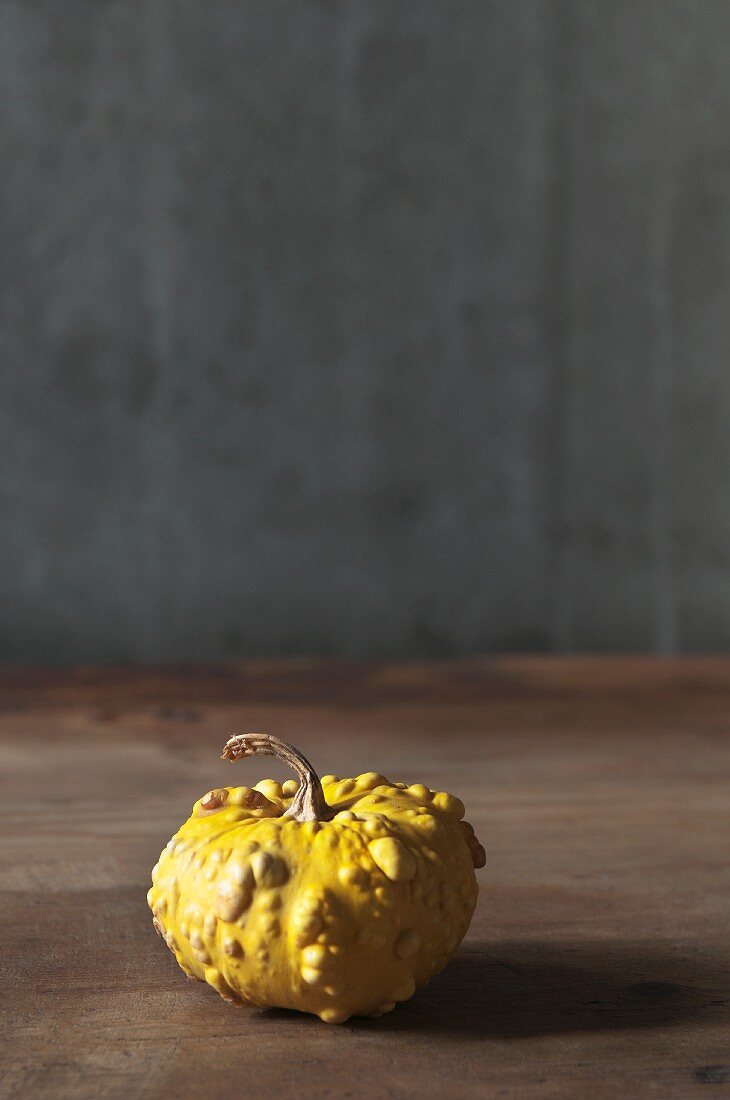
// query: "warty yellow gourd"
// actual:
[[338, 898]]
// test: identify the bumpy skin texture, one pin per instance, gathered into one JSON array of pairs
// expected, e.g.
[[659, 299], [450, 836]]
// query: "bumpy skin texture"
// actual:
[[337, 918]]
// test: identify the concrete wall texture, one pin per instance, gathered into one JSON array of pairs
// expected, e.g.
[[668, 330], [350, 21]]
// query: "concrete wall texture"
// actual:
[[377, 329]]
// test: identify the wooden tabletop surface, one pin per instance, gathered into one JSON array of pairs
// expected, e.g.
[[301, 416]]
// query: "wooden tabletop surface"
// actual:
[[597, 964]]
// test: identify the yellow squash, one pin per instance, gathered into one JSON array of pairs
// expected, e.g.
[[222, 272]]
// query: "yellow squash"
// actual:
[[338, 897]]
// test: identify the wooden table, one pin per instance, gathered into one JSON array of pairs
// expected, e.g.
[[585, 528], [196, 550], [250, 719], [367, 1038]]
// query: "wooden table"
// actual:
[[597, 962]]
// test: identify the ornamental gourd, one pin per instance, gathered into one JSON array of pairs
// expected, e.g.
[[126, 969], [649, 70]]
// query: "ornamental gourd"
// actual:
[[338, 897]]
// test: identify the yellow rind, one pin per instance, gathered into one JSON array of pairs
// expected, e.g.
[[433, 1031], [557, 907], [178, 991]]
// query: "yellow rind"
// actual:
[[335, 918]]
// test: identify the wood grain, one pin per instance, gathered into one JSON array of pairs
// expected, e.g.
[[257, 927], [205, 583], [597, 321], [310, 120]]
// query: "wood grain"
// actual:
[[597, 962]]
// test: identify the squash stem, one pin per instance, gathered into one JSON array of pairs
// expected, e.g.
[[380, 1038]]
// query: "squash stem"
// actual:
[[309, 803]]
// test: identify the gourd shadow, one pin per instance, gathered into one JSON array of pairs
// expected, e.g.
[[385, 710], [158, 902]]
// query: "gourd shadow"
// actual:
[[521, 989]]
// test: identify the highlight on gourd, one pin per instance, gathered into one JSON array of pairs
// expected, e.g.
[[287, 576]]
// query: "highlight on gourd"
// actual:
[[337, 897]]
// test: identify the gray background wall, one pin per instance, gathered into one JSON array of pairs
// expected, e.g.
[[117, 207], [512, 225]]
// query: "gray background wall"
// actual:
[[383, 328]]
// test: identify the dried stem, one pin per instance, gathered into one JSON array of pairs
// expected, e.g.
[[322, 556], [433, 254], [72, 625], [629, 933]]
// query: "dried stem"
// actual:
[[309, 802]]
